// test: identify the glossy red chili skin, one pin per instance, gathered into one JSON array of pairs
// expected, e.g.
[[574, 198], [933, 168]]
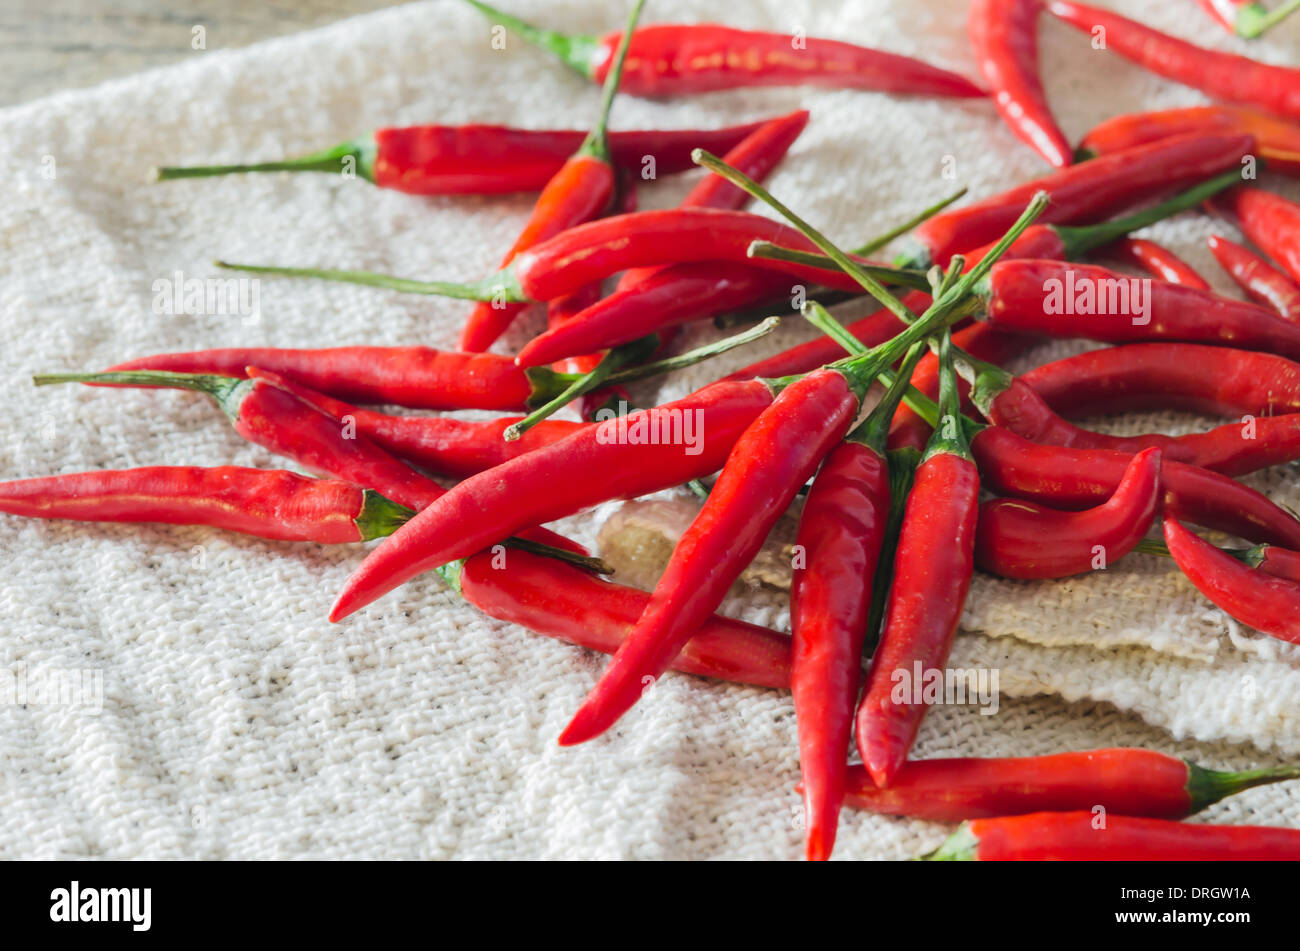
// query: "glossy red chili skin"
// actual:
[[556, 481], [266, 503], [1044, 297], [1019, 539], [669, 297], [493, 159], [872, 330], [1277, 141], [1126, 782], [841, 530], [1261, 599], [418, 377], [441, 444], [598, 249], [1081, 478], [1262, 282], [1084, 193], [1280, 562], [1220, 75], [980, 340], [1004, 36], [932, 576], [560, 600], [770, 462], [1158, 261], [669, 60], [1073, 837], [1219, 381], [1271, 222], [580, 191]]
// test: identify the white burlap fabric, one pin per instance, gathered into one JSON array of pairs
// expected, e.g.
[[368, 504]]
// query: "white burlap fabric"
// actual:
[[237, 723]]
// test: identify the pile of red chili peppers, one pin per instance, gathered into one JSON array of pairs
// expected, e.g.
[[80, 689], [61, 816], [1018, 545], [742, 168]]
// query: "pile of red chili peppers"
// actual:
[[959, 465]]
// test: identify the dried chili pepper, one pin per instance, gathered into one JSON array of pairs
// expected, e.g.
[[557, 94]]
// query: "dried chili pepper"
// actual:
[[1158, 261], [841, 532], [267, 503], [932, 575], [1084, 836], [1125, 782], [1219, 381], [1004, 34], [557, 600], [1264, 283], [484, 159], [1263, 600], [1271, 222], [277, 420], [1248, 18], [584, 188], [1277, 140], [1019, 539], [680, 59], [1220, 75]]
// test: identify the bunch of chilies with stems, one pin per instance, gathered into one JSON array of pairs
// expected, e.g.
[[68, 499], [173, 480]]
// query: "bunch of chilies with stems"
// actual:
[[893, 525]]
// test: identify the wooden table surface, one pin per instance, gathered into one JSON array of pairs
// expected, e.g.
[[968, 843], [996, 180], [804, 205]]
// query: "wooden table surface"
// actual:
[[50, 45]]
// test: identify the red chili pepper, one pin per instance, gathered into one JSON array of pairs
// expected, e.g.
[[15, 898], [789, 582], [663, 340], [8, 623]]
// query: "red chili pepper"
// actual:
[[1264, 283], [1018, 539], [1219, 75], [267, 503], [557, 600], [485, 159], [1248, 18], [1125, 782], [1277, 140], [1262, 600], [643, 452], [1067, 478], [584, 188], [1084, 193], [1218, 381], [1158, 261], [1270, 222], [277, 420], [841, 531], [1059, 299], [1085, 836], [1004, 34], [444, 445], [418, 377], [771, 461], [932, 574], [673, 60]]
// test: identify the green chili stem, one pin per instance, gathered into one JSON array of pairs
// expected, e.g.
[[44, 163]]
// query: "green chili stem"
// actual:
[[362, 151], [596, 143], [698, 355], [500, 286], [903, 277], [873, 432], [575, 50], [1251, 22], [875, 244], [587, 562]]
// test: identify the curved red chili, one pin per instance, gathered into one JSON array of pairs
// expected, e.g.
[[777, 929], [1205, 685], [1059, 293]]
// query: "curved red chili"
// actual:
[[1219, 75], [1084, 836], [932, 575], [771, 461], [1125, 782], [584, 188], [1271, 222], [1264, 283], [1084, 193], [1219, 381], [267, 503], [1277, 141], [1258, 598], [636, 454], [484, 159], [1004, 34], [1019, 539], [1059, 299], [1158, 261], [557, 600], [679, 59]]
